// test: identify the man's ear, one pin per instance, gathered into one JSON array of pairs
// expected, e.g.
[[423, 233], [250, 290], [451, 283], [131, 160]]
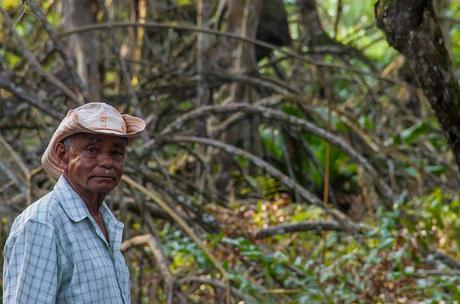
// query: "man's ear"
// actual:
[[62, 155]]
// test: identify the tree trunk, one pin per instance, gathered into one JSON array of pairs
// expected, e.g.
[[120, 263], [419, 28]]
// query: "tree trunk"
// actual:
[[243, 19], [411, 26], [85, 47], [202, 49]]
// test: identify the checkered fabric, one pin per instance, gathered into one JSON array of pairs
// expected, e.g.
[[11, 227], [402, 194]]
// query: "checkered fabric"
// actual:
[[56, 253]]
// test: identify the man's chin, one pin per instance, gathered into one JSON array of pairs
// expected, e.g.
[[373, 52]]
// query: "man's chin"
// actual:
[[103, 185]]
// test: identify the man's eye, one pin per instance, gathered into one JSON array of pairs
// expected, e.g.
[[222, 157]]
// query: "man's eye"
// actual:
[[92, 150], [117, 153]]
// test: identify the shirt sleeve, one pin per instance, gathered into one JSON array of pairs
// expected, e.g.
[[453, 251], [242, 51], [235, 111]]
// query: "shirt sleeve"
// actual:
[[30, 273]]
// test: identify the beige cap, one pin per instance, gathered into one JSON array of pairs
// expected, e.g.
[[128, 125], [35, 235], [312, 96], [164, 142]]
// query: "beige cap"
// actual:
[[93, 118]]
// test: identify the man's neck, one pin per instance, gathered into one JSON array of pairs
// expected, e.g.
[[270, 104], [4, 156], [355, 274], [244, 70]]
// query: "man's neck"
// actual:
[[93, 201]]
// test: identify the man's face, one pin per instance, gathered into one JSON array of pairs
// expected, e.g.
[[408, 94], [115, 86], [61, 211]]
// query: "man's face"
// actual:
[[94, 163]]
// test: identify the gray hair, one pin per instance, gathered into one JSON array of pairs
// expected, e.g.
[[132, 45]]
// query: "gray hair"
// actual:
[[67, 142]]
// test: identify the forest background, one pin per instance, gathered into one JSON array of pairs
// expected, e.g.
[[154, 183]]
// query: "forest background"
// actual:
[[291, 155]]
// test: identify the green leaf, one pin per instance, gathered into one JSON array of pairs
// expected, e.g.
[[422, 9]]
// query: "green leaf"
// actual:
[[184, 2], [386, 243], [410, 135]]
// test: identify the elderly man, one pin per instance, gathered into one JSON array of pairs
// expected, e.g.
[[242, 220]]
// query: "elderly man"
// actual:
[[65, 248]]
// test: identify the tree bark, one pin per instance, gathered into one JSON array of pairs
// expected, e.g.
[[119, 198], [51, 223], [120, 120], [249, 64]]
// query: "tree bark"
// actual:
[[412, 27], [243, 19], [85, 46], [202, 48], [249, 12]]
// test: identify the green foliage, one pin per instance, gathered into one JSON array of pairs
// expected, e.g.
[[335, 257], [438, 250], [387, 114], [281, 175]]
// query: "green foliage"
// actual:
[[183, 252], [184, 2], [271, 139], [356, 28], [342, 170], [386, 264], [11, 4], [451, 15]]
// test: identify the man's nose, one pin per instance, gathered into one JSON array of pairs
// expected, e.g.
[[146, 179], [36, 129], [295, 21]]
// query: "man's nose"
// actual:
[[105, 160]]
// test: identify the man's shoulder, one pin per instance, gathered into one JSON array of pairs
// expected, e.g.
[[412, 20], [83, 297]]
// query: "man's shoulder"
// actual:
[[46, 210]]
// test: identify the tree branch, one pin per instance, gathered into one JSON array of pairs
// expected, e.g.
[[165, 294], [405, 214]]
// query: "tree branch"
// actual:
[[189, 231], [160, 260], [34, 62], [33, 100], [268, 113], [178, 26], [297, 227], [68, 61], [344, 221]]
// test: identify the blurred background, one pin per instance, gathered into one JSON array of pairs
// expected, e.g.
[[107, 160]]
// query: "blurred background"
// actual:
[[291, 154]]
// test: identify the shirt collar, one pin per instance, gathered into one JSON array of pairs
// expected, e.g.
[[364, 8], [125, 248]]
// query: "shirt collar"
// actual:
[[75, 207], [76, 210], [70, 201], [114, 227]]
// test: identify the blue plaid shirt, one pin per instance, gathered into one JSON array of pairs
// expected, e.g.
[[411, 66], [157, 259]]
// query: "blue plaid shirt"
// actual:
[[56, 253]]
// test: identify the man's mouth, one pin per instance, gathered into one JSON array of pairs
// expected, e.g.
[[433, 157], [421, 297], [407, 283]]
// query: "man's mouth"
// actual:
[[104, 177]]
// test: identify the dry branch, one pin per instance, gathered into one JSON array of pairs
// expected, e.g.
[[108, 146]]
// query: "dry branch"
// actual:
[[34, 62], [126, 75], [446, 259], [189, 231], [302, 124], [33, 100], [160, 260], [288, 182], [68, 61], [178, 26], [297, 227], [234, 118], [275, 86], [13, 166], [216, 284]]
